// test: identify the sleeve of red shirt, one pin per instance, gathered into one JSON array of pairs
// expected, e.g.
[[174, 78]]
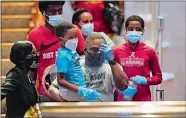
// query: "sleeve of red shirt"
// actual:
[[156, 71], [81, 43]]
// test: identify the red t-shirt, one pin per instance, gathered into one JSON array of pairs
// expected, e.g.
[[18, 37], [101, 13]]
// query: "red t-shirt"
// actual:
[[139, 61], [96, 9], [47, 45]]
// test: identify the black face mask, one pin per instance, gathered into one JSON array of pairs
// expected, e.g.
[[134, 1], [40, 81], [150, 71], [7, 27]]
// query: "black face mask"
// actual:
[[94, 59], [32, 61]]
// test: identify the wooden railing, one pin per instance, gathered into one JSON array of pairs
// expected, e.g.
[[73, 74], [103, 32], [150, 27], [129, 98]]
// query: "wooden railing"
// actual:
[[156, 109]]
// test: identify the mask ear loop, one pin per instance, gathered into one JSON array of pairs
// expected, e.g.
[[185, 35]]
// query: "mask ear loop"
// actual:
[[44, 13], [46, 16]]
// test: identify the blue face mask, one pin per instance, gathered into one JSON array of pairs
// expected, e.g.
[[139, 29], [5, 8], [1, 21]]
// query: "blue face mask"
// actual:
[[54, 20], [87, 29], [134, 36]]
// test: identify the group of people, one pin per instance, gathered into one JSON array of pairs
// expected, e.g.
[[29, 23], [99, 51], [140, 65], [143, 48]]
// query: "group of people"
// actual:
[[89, 67]]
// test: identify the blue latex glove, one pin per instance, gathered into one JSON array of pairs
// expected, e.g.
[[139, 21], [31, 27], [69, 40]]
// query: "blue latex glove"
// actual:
[[130, 91], [107, 51], [89, 94], [140, 80]]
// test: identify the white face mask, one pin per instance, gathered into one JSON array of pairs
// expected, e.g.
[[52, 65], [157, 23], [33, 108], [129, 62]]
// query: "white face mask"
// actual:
[[54, 20], [72, 44]]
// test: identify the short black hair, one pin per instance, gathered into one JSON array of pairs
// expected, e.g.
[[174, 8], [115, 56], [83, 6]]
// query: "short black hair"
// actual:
[[19, 50], [135, 18], [77, 13], [62, 28], [43, 5]]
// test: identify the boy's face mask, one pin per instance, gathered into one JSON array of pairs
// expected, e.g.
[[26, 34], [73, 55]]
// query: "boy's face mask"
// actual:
[[71, 44], [134, 36], [54, 20]]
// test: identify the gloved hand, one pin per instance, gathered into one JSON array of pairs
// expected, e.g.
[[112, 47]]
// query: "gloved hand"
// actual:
[[107, 51], [89, 94], [130, 91], [140, 80]]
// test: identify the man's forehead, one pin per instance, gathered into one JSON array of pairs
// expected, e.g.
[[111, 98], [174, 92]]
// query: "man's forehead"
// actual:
[[95, 43], [134, 24]]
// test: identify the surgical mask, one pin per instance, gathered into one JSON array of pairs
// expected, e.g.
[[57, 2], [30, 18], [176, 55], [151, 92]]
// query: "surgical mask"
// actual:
[[94, 59], [87, 29], [54, 20], [134, 36], [71, 44]]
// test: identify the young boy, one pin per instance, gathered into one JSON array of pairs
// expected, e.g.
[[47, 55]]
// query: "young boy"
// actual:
[[69, 74], [138, 59]]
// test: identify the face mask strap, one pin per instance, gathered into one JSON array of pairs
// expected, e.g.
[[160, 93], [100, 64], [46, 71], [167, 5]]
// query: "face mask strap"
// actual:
[[45, 14]]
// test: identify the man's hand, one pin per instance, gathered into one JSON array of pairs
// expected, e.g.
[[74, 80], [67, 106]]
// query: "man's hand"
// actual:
[[130, 91], [107, 51], [139, 80], [89, 94]]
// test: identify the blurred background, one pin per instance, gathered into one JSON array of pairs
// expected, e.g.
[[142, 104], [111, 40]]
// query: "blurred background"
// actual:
[[19, 18]]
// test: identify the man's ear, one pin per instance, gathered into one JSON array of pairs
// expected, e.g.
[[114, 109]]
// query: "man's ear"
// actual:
[[45, 15], [125, 31], [143, 31], [77, 24], [62, 40]]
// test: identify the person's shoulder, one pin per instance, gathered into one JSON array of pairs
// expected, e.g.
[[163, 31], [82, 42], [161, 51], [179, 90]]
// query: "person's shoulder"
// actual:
[[147, 47], [64, 53], [36, 34], [14, 72], [37, 30]]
